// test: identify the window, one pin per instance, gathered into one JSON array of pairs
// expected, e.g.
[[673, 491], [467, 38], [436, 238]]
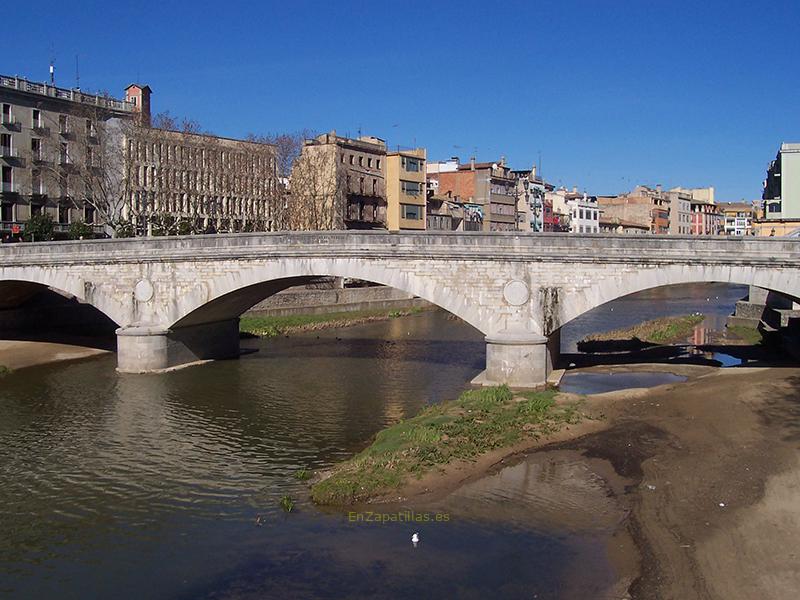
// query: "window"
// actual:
[[369, 163], [36, 210], [90, 131], [36, 183], [63, 214], [412, 188], [5, 144], [774, 207], [7, 212], [63, 124], [36, 149], [7, 117], [64, 153], [411, 165], [360, 161], [351, 159], [36, 121], [378, 164], [88, 214], [411, 211]]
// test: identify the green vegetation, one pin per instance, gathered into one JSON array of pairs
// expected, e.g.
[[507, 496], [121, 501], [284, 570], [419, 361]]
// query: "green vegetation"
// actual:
[[39, 228], [286, 503], [749, 335], [658, 331], [302, 474], [79, 230], [268, 326], [478, 422], [4, 370]]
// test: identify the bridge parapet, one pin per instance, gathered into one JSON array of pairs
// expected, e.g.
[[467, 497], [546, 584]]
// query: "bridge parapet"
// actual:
[[510, 286]]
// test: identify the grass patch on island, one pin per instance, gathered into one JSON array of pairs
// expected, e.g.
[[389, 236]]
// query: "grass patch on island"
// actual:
[[666, 330], [749, 335], [273, 326], [477, 422]]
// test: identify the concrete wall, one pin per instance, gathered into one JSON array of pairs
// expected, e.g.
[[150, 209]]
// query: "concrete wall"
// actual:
[[310, 301]]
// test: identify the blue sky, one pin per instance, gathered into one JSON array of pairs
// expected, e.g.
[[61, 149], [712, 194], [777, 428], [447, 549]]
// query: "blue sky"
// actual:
[[610, 93]]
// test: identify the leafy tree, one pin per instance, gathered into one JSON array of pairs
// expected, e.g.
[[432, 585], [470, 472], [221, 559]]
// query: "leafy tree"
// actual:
[[79, 230], [39, 228]]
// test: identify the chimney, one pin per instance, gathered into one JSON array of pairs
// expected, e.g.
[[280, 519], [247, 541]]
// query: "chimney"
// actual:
[[533, 172], [502, 161], [139, 95], [471, 163], [574, 189], [658, 188]]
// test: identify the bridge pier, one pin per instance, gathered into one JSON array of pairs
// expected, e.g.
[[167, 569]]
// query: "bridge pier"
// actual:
[[519, 359], [153, 349]]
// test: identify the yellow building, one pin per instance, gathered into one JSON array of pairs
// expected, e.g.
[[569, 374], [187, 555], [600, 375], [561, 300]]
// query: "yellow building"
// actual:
[[405, 189]]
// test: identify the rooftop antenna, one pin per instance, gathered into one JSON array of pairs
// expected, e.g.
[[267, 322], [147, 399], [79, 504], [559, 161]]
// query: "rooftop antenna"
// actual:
[[540, 163], [77, 75], [52, 66]]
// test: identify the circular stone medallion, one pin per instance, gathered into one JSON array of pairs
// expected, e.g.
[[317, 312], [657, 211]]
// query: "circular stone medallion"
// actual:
[[516, 292], [143, 291]]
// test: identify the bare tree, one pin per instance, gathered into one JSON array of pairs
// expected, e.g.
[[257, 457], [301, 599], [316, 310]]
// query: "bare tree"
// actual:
[[317, 190]]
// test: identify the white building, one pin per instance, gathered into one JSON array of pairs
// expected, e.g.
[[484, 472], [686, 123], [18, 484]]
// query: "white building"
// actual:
[[584, 213]]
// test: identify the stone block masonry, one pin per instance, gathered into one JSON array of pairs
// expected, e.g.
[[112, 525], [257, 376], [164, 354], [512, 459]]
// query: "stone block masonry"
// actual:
[[176, 300]]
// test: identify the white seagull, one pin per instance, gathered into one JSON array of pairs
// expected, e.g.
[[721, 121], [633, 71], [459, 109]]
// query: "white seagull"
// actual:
[[415, 539]]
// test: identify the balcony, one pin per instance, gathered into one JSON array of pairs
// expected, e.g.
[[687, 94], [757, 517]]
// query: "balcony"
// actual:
[[9, 188], [8, 152], [8, 120]]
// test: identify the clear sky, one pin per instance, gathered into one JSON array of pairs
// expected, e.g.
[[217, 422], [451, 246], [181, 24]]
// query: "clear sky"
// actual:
[[611, 93]]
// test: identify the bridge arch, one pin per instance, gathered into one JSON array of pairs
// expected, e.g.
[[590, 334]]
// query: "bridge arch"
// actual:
[[613, 288], [28, 280], [228, 296]]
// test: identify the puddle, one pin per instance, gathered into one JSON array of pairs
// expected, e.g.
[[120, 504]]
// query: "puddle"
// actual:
[[597, 383]]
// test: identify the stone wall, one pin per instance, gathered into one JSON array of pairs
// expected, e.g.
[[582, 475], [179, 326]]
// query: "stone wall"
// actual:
[[315, 301]]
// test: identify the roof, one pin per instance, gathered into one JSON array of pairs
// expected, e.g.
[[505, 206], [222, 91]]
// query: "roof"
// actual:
[[140, 86]]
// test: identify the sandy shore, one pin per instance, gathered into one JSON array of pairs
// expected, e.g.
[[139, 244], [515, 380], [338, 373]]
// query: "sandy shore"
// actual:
[[20, 354], [712, 478]]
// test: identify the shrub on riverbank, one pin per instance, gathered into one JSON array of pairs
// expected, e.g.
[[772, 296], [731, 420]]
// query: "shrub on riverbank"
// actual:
[[666, 330], [4, 370], [478, 422], [273, 326]]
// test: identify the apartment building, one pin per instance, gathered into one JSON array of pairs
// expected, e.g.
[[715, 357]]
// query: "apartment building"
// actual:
[[185, 182], [782, 186], [47, 135], [85, 157], [406, 196], [584, 212], [738, 218], [486, 189], [680, 212], [340, 183]]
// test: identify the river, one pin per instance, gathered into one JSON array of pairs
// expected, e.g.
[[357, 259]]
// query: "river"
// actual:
[[152, 486]]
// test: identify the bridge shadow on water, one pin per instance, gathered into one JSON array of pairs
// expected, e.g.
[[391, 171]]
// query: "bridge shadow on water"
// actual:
[[629, 352]]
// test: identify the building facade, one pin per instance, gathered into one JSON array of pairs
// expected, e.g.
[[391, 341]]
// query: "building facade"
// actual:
[[339, 183], [738, 218], [584, 213], [485, 189], [96, 159], [48, 135], [782, 186], [406, 191]]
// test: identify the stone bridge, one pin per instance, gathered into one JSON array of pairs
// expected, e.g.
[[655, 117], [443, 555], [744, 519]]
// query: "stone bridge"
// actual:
[[178, 300]]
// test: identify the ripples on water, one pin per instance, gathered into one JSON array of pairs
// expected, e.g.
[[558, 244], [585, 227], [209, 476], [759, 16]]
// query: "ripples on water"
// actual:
[[148, 486]]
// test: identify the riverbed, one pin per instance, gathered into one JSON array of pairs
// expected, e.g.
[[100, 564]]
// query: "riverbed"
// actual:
[[168, 486]]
